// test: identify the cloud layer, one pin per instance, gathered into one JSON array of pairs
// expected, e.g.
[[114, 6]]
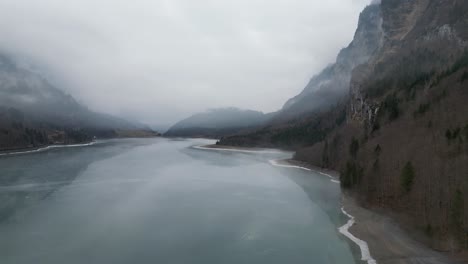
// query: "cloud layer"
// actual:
[[160, 60]]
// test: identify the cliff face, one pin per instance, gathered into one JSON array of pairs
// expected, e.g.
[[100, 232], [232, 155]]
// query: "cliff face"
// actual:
[[332, 84], [420, 37], [404, 145], [300, 122]]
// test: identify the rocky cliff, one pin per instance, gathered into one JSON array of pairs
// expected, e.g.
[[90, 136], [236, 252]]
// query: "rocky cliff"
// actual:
[[300, 122], [332, 84]]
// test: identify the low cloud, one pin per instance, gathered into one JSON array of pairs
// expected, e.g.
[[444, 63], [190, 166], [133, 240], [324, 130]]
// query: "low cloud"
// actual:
[[159, 61]]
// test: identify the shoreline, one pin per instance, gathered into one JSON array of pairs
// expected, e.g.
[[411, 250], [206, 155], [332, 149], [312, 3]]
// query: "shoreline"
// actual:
[[380, 239], [289, 163], [45, 148], [363, 246], [241, 150], [344, 229], [387, 241], [334, 177], [19, 151]]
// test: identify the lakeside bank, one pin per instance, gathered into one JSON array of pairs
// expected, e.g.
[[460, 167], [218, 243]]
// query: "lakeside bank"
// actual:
[[380, 239], [44, 148]]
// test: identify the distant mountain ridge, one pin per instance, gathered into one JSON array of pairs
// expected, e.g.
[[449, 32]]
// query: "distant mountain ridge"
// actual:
[[34, 113], [324, 91], [217, 122]]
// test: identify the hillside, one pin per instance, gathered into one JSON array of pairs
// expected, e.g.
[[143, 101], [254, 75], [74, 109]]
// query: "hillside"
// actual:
[[216, 123], [33, 113], [403, 146], [402, 142]]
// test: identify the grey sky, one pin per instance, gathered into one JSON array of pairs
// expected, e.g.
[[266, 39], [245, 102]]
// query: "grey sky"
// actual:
[[161, 60]]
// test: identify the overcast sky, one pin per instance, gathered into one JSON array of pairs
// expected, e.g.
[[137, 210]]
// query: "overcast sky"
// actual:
[[161, 60]]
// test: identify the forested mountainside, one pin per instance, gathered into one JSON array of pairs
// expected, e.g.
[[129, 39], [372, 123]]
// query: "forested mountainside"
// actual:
[[33, 113], [402, 141], [216, 123]]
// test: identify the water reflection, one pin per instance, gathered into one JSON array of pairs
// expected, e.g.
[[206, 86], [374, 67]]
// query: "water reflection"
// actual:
[[26, 179], [160, 201]]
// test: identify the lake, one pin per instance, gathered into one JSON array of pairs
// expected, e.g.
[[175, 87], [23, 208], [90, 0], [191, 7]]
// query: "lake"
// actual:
[[164, 201]]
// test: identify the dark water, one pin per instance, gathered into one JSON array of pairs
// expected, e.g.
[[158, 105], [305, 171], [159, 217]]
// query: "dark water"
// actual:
[[161, 201]]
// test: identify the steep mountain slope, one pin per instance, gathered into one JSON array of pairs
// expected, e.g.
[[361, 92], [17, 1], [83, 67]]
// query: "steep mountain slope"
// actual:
[[33, 113], [332, 84], [300, 121], [216, 123], [403, 146]]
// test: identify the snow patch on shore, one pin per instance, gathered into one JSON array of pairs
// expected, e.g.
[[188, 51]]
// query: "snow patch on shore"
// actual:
[[47, 148], [239, 150], [277, 164], [324, 174], [365, 252]]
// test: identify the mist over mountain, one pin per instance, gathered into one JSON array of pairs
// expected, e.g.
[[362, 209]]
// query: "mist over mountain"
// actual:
[[331, 85], [217, 123], [34, 113], [299, 122], [137, 59], [324, 91], [387, 119]]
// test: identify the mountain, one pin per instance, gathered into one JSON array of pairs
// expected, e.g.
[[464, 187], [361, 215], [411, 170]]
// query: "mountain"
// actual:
[[216, 123], [332, 84], [400, 137], [34, 113], [404, 145], [299, 122]]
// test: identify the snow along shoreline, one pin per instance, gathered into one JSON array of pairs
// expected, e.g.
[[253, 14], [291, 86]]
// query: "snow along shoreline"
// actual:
[[266, 151], [363, 246], [344, 230], [47, 148], [277, 164], [365, 252]]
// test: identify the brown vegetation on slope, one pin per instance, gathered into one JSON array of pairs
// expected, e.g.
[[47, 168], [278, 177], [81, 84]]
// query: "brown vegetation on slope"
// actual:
[[404, 146]]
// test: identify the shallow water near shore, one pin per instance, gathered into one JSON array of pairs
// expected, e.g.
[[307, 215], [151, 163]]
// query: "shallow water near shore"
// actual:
[[163, 201]]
